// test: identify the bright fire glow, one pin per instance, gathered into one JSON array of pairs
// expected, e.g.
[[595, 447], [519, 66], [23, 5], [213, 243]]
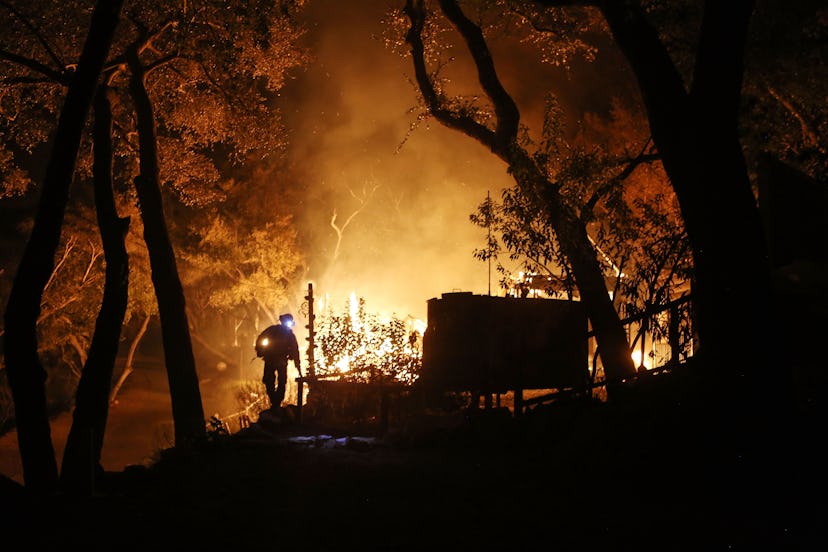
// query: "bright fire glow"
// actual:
[[529, 284], [353, 307], [361, 346], [648, 361]]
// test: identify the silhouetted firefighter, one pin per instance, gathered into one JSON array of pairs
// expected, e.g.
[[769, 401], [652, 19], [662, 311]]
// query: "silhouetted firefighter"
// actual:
[[276, 345]]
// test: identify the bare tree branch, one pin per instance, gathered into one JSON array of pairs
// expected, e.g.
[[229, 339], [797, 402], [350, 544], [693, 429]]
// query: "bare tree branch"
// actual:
[[129, 366], [34, 65], [363, 201], [811, 137], [94, 255], [435, 103], [604, 189], [160, 63], [35, 32], [508, 116], [70, 245]]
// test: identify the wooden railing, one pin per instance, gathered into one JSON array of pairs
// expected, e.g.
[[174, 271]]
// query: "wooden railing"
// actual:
[[678, 330]]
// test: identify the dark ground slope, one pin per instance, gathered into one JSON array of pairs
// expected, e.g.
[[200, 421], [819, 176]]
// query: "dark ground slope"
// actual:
[[569, 477]]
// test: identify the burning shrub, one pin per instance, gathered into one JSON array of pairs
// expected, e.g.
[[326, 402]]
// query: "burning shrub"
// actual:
[[362, 347]]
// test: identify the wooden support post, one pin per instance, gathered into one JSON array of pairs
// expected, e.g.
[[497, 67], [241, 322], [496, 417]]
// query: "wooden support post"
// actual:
[[299, 395]]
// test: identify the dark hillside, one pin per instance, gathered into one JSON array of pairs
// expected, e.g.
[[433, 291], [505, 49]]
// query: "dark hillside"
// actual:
[[655, 474]]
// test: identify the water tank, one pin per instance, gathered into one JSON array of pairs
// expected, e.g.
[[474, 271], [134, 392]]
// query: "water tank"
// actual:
[[495, 344]]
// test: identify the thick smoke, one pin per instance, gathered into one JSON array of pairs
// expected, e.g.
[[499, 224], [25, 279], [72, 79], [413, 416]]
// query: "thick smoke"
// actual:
[[411, 238]]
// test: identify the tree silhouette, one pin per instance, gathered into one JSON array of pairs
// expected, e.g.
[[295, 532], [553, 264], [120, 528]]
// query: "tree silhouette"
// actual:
[[188, 411], [529, 174], [214, 85], [26, 374], [81, 458], [694, 120]]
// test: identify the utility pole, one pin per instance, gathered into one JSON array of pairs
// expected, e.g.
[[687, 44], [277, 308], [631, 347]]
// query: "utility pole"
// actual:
[[489, 237]]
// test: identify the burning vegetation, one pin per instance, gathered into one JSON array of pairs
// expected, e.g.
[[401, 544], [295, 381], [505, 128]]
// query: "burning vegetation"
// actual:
[[365, 347]]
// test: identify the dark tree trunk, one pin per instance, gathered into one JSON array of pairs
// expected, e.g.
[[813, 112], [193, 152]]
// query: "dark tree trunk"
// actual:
[[187, 408], [610, 336], [26, 374], [81, 458], [696, 133]]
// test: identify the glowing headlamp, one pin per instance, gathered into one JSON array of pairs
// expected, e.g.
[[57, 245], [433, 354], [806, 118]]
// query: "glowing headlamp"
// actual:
[[264, 342]]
